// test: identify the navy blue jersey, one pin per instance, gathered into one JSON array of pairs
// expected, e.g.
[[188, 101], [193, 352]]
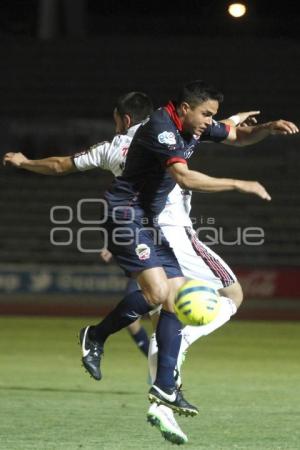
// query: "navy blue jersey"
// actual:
[[158, 143]]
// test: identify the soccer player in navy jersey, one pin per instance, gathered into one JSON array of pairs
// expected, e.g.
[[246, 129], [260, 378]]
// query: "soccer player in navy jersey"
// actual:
[[156, 160]]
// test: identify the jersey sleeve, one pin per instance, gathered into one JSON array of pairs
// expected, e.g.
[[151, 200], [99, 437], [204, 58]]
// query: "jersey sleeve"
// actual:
[[95, 156], [164, 145], [216, 132]]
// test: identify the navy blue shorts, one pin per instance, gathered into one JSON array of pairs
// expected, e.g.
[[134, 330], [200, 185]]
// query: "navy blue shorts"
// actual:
[[137, 248]]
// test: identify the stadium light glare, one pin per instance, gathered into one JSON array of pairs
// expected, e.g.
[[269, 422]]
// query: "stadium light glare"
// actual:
[[237, 10]]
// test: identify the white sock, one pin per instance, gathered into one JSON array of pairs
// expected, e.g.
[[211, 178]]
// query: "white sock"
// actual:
[[190, 334], [152, 357]]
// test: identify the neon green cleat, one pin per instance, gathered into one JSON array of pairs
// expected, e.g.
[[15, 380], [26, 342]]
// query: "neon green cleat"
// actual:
[[163, 418]]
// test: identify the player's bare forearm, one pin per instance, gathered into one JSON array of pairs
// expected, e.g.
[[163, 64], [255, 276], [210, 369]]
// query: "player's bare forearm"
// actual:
[[197, 181], [252, 135], [242, 136], [50, 166], [56, 165]]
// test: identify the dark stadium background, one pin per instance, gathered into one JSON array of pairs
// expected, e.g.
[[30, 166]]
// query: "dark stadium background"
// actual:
[[62, 69]]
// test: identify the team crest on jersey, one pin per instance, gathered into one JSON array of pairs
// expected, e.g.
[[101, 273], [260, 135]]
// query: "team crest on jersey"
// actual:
[[143, 252], [167, 137]]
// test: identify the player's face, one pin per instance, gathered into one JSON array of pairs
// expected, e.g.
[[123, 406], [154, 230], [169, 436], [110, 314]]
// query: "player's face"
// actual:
[[196, 120], [120, 125]]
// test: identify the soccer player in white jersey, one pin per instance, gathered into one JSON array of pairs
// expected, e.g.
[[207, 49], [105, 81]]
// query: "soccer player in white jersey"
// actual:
[[196, 260]]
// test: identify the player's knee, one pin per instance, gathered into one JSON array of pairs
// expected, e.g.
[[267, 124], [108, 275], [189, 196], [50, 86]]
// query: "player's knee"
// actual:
[[240, 296], [235, 293], [158, 294]]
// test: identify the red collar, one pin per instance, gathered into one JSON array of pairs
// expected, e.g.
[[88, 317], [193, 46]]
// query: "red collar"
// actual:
[[171, 110]]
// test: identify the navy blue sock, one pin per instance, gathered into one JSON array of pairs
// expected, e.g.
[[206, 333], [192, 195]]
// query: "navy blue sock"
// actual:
[[168, 336], [127, 311], [142, 341]]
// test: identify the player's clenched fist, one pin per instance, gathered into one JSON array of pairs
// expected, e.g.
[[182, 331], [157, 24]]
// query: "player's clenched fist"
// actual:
[[253, 187], [16, 159], [106, 255]]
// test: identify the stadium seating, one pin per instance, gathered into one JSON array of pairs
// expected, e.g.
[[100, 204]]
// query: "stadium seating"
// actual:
[[54, 95]]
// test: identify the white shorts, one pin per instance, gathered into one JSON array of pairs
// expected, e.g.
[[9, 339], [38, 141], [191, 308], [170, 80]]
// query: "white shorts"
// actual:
[[197, 261]]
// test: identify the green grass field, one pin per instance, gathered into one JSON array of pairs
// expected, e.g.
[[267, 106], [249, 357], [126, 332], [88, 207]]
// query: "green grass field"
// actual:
[[245, 379]]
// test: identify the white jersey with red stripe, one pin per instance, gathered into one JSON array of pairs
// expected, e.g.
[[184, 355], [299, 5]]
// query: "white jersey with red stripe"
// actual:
[[112, 156], [107, 155], [197, 261]]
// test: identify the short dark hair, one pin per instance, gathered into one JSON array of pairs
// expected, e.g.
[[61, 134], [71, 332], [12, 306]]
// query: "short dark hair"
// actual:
[[136, 104], [197, 92]]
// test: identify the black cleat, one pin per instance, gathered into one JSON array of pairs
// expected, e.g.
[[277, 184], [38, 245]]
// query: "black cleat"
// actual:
[[193, 410], [173, 399], [91, 354]]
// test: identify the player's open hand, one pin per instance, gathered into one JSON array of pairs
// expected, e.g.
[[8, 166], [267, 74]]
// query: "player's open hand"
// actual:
[[248, 118], [15, 159], [282, 127], [253, 187]]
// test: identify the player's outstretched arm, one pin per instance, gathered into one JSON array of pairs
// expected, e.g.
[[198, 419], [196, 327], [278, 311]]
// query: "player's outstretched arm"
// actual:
[[56, 165], [190, 179], [241, 136], [247, 118]]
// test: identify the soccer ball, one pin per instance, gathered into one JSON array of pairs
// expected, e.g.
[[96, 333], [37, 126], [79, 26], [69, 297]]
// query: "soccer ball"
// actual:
[[197, 303]]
